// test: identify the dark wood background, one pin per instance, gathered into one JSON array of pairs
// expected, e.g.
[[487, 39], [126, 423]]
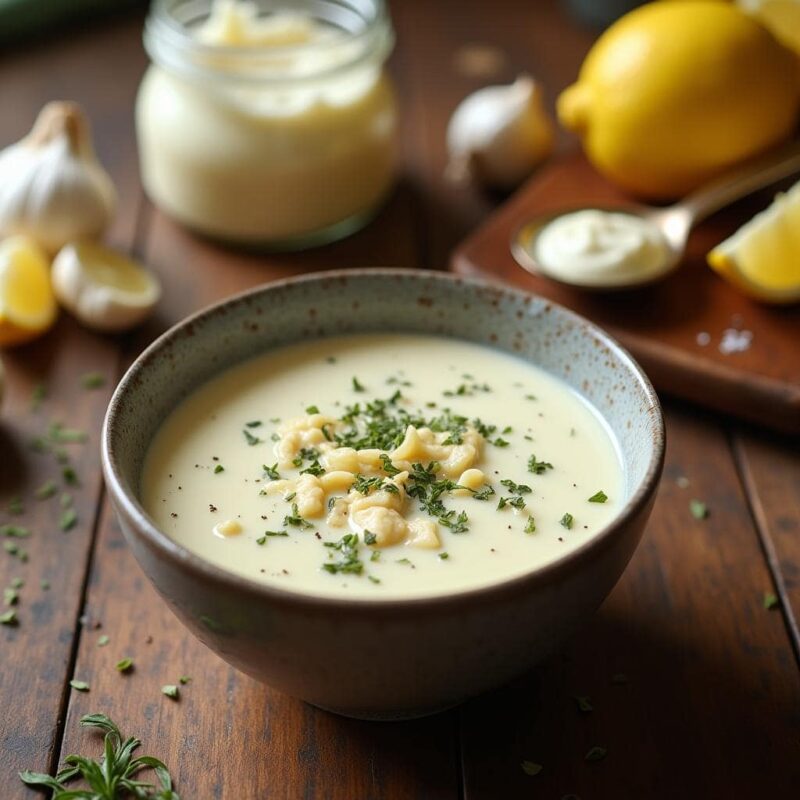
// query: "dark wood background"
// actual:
[[711, 704]]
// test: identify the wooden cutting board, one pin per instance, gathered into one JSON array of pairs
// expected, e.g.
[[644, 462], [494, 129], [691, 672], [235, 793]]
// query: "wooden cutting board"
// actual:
[[673, 328]]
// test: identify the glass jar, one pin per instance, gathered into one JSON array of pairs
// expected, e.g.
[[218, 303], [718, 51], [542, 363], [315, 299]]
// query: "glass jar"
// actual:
[[268, 123]]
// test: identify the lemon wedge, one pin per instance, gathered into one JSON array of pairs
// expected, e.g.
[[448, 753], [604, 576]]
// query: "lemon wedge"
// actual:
[[105, 290], [763, 257], [782, 17], [27, 303]]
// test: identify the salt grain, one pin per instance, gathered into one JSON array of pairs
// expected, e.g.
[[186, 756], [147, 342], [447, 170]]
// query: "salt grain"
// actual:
[[735, 341]]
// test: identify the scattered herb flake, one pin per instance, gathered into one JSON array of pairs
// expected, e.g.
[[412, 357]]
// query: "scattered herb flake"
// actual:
[[357, 385], [93, 380], [44, 584], [15, 506], [171, 691], [483, 493], [219, 468], [9, 618], [256, 423], [79, 686], [70, 476], [10, 596], [373, 579], [596, 753], [68, 519], [583, 703], [272, 472], [17, 583], [369, 537], [530, 525], [14, 531], [103, 640], [37, 396], [251, 440], [538, 467], [598, 497], [184, 679], [500, 442], [405, 561], [698, 509], [444, 556], [125, 665], [61, 435], [295, 520], [46, 490], [567, 521], [770, 601], [531, 768], [312, 410]]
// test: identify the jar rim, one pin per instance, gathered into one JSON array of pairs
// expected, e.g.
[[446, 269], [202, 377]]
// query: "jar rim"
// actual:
[[170, 43]]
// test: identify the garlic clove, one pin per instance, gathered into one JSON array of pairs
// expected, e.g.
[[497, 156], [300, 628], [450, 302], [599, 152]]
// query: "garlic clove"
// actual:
[[500, 134], [105, 290], [52, 187]]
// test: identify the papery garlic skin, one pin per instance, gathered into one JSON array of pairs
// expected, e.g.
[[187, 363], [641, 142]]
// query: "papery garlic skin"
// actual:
[[103, 289], [500, 134], [52, 187]]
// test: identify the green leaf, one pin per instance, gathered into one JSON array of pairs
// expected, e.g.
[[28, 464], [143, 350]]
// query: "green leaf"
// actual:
[[103, 640], [598, 497], [531, 767], [770, 601], [79, 686], [538, 467], [530, 525], [251, 440], [184, 679], [219, 468], [171, 691], [125, 665], [68, 519], [312, 410], [567, 521], [9, 618]]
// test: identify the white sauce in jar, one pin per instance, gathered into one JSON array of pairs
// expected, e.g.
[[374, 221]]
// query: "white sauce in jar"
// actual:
[[255, 473], [600, 248]]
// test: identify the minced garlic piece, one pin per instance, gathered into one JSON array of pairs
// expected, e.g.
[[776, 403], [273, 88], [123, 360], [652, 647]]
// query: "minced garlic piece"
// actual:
[[230, 527]]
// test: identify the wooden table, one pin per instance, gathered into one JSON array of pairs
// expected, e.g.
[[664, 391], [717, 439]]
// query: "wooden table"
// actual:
[[710, 706]]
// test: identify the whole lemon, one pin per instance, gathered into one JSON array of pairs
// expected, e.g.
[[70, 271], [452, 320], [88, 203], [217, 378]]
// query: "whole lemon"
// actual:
[[675, 92]]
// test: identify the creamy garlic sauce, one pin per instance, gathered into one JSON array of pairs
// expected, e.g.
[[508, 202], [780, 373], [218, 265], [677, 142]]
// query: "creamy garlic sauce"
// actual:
[[205, 483], [600, 248]]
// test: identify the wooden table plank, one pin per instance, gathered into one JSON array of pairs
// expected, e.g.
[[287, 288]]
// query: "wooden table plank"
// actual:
[[711, 706], [770, 466], [37, 655]]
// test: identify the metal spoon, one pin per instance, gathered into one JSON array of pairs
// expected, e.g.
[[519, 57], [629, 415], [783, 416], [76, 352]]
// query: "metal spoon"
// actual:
[[673, 222]]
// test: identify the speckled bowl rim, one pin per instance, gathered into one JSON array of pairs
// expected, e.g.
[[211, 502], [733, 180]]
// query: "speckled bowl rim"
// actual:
[[187, 561]]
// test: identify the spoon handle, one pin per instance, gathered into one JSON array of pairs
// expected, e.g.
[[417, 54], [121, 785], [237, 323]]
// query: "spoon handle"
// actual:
[[756, 174]]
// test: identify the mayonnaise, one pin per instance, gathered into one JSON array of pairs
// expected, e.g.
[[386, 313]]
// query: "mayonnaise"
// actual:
[[600, 248], [270, 129]]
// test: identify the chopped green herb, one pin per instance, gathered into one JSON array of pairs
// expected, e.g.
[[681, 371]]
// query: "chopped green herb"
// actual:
[[596, 754], [103, 640], [619, 678], [9, 618], [65, 500], [598, 497], [500, 442], [515, 488], [272, 472], [444, 556], [46, 490], [295, 520], [17, 583], [171, 691], [531, 768], [10, 548], [312, 410], [314, 468], [79, 686], [349, 563], [15, 506], [538, 467], [290, 497], [44, 584], [698, 509], [483, 493], [369, 537], [93, 380], [357, 385], [61, 435], [376, 555], [251, 440], [184, 679], [405, 561], [330, 360], [10, 596], [218, 468], [530, 525], [501, 503], [583, 704], [530, 397], [389, 468], [70, 476], [114, 776], [770, 601], [567, 521], [374, 579], [125, 665], [14, 531], [256, 423], [68, 519], [37, 396]]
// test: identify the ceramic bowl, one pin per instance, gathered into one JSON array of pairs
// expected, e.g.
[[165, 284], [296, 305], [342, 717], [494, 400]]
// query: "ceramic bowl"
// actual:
[[390, 658]]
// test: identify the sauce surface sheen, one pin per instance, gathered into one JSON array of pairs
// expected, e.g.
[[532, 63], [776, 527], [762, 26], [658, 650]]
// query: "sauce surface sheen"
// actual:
[[205, 482]]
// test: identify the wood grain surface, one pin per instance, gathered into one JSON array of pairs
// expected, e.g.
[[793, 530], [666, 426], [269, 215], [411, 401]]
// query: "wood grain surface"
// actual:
[[709, 705]]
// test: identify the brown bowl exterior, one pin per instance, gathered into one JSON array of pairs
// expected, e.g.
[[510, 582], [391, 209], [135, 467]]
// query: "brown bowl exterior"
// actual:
[[394, 658]]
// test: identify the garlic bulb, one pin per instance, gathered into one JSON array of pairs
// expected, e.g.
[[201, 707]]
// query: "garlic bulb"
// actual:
[[52, 186], [105, 290], [500, 134]]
